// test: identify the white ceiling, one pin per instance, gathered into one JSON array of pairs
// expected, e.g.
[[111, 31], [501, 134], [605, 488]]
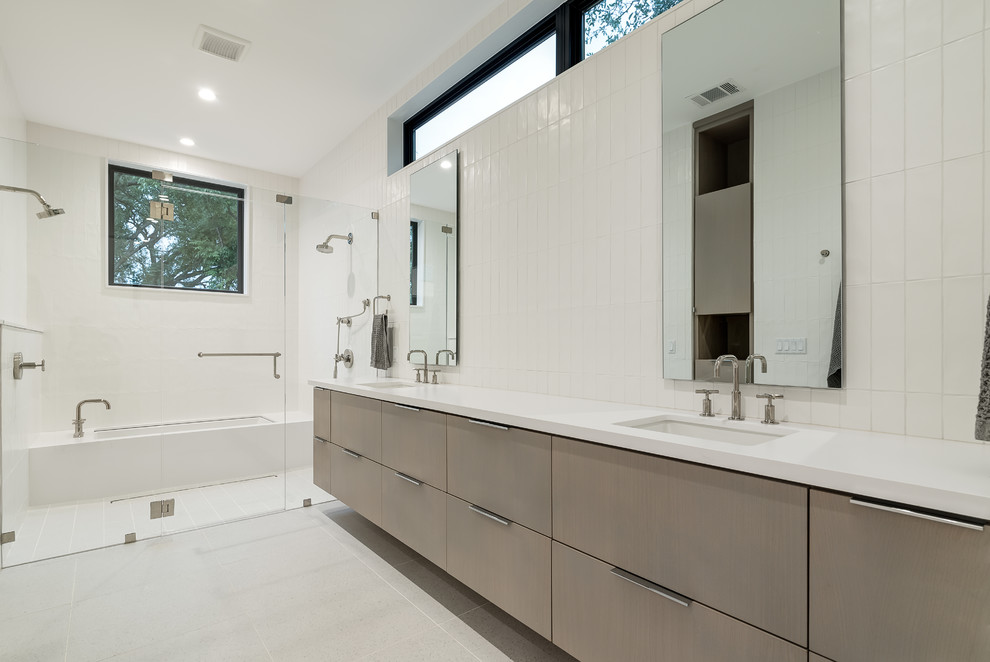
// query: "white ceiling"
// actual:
[[314, 71]]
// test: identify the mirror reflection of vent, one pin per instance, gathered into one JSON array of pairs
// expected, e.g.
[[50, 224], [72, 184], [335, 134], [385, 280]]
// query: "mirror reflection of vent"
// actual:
[[223, 45], [717, 93]]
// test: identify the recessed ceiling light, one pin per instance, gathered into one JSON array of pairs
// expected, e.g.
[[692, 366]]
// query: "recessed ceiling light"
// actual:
[[188, 142], [206, 94], [446, 165]]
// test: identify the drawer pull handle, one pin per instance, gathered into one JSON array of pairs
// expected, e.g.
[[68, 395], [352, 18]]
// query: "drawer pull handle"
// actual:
[[487, 424], [914, 513], [650, 586], [351, 453], [322, 441], [407, 407], [410, 479], [492, 516]]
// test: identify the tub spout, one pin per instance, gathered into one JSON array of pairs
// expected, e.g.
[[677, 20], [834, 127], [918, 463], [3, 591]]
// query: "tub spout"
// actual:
[[77, 424]]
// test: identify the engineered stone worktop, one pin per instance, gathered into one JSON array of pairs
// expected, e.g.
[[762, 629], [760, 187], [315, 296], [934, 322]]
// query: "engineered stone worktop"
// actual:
[[948, 476]]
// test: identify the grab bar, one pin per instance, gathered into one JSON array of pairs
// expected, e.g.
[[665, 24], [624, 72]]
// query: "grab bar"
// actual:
[[274, 356], [347, 319]]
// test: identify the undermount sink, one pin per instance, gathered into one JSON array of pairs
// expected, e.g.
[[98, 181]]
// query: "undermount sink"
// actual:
[[733, 432], [387, 385]]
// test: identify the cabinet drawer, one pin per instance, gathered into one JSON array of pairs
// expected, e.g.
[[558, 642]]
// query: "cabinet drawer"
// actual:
[[504, 470], [599, 616], [890, 586], [356, 423], [321, 413], [414, 441], [321, 464], [503, 561], [816, 658], [357, 481], [415, 514], [736, 543]]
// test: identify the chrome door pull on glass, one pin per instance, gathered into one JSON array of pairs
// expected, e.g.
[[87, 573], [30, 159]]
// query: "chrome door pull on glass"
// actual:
[[487, 424], [274, 356], [407, 407], [914, 513], [489, 515], [408, 479], [650, 586], [351, 453]]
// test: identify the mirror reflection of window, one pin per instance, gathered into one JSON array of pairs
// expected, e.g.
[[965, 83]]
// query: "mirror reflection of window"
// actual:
[[414, 263]]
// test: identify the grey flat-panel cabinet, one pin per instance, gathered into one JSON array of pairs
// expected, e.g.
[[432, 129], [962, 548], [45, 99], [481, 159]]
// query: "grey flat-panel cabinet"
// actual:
[[817, 658], [321, 464], [734, 542], [889, 585], [321, 413], [505, 470], [603, 616], [356, 424], [503, 561], [416, 514], [414, 441], [357, 481]]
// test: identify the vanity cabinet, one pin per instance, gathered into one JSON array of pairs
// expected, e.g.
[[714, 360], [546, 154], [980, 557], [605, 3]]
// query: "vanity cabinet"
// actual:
[[501, 469], [356, 424], [735, 542], [601, 614], [502, 560], [416, 514], [321, 439], [817, 658], [414, 442], [894, 584], [357, 481]]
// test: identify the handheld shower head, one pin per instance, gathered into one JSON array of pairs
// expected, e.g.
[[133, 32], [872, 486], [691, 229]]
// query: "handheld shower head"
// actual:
[[48, 211], [325, 247]]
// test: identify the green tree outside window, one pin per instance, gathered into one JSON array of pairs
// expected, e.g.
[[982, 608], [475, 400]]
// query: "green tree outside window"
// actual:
[[610, 20]]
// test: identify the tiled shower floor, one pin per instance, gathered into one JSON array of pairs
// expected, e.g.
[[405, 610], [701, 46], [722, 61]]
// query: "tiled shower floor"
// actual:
[[49, 531]]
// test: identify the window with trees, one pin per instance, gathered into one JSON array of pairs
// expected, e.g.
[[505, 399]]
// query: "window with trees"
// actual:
[[201, 247]]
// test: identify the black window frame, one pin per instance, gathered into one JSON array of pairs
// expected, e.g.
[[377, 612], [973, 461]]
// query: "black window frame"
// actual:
[[567, 21], [239, 192]]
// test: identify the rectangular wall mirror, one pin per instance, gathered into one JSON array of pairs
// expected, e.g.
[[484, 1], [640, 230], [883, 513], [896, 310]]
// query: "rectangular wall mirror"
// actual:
[[433, 260], [752, 191]]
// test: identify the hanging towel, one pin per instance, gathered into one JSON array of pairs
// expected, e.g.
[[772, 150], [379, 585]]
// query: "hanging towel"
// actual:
[[983, 406], [381, 350], [835, 361]]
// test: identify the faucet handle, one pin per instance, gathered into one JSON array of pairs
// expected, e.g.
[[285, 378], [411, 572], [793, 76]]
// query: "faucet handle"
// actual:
[[417, 373], [770, 410], [706, 404]]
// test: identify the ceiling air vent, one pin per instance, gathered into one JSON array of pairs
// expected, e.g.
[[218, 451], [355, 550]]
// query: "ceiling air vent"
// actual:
[[716, 93], [223, 45]]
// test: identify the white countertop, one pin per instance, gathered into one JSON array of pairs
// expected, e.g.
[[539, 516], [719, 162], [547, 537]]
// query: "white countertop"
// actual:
[[948, 476]]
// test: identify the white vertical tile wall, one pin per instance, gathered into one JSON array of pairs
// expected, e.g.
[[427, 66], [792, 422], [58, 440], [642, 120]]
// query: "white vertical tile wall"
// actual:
[[13, 207], [915, 117]]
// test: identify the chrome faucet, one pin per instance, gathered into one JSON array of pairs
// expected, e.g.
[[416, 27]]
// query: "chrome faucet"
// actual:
[[736, 395], [78, 423], [426, 365], [750, 377], [436, 370]]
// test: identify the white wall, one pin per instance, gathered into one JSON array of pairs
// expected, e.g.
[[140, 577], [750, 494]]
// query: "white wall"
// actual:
[[137, 348], [560, 202], [13, 206]]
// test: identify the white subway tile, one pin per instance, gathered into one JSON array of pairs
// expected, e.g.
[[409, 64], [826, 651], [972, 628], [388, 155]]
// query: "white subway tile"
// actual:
[[887, 220], [887, 119], [959, 417], [887, 333], [855, 410], [856, 365], [923, 415], [923, 223], [923, 309], [857, 128], [961, 18], [962, 76], [858, 232], [923, 109], [922, 25], [963, 311], [886, 32], [888, 411], [856, 42], [962, 216]]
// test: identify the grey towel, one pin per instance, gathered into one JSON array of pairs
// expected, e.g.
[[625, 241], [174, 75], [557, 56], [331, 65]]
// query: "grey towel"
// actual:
[[983, 406], [835, 361], [381, 350]]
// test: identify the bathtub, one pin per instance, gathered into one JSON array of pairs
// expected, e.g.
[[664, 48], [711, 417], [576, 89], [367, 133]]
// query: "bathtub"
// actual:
[[157, 457]]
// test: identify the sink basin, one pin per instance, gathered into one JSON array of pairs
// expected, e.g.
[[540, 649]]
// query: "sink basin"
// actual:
[[387, 385], [733, 432]]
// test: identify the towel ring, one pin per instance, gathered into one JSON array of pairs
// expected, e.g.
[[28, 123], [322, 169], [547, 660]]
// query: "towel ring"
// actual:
[[387, 297]]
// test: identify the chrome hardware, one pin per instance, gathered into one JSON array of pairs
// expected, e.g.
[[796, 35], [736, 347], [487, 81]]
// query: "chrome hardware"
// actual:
[[161, 175], [20, 365], [129, 538], [7, 536], [417, 374], [407, 407], [374, 215], [347, 358], [452, 354], [426, 366], [274, 355], [651, 587], [825, 252], [284, 199], [770, 410], [436, 371], [77, 424], [706, 404], [750, 377], [489, 515], [487, 424], [374, 304], [164, 508], [351, 453], [306, 502], [736, 395], [914, 513], [408, 479]]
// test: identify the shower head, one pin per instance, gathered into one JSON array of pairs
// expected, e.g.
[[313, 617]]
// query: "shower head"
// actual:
[[47, 213], [326, 248]]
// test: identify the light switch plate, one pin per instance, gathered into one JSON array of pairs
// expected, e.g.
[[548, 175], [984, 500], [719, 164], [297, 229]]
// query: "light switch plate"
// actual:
[[792, 345]]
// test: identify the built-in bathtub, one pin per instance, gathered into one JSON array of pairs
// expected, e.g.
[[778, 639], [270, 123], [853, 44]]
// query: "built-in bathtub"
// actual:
[[156, 457]]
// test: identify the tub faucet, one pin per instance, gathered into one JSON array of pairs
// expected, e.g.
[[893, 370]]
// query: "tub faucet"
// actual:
[[78, 423], [426, 365], [736, 395]]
